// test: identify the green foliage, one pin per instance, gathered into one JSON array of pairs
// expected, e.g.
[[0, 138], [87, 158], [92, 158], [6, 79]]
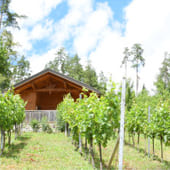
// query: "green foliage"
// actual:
[[137, 59], [60, 123], [130, 95], [72, 67], [13, 67], [160, 123], [4, 62], [45, 125], [163, 79], [135, 56], [12, 112], [8, 56], [21, 69], [35, 124], [92, 116], [137, 117], [8, 18]]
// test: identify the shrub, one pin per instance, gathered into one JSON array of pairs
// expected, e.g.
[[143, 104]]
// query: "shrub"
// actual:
[[45, 126], [35, 125], [60, 123]]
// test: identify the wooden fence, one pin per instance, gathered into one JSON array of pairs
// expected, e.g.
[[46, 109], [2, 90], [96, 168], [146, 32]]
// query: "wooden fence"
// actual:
[[39, 114]]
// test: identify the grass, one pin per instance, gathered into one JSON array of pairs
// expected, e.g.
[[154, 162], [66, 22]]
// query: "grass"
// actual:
[[138, 159], [55, 151], [42, 151]]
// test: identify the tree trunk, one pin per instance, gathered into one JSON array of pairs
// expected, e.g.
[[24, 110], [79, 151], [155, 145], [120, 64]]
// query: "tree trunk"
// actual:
[[129, 137], [85, 148], [9, 137], [161, 148], [145, 144], [16, 131], [137, 80], [80, 144], [100, 152], [91, 152], [2, 141], [138, 140], [133, 136], [1, 15], [153, 145]]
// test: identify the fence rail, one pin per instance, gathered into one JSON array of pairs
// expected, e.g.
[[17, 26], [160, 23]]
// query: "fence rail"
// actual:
[[39, 114]]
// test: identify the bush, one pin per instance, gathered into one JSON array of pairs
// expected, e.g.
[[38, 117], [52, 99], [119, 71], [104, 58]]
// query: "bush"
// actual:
[[35, 125], [60, 123], [45, 126]]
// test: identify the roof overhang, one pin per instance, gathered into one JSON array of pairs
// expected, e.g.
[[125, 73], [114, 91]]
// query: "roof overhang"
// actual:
[[46, 71]]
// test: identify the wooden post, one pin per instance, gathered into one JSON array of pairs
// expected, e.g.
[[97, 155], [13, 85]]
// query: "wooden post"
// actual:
[[80, 141], [85, 148], [149, 137], [113, 153], [161, 149], [153, 145], [91, 152], [100, 152]]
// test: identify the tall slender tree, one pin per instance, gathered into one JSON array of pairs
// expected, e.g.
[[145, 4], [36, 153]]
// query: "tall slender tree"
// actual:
[[126, 59], [102, 79], [8, 18], [21, 70], [11, 64], [74, 68], [60, 62], [163, 79], [137, 61], [90, 75]]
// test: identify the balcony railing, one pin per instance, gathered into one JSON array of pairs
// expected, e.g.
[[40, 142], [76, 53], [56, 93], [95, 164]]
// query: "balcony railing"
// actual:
[[39, 114]]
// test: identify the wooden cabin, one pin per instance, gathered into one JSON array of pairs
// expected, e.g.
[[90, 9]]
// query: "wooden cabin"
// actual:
[[46, 89]]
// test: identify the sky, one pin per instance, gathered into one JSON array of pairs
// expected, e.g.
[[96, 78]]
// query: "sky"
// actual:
[[98, 30]]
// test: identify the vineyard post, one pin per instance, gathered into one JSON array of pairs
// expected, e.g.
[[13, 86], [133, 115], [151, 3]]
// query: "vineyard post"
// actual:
[[65, 129], [122, 124], [148, 137], [86, 147], [80, 142], [2, 141]]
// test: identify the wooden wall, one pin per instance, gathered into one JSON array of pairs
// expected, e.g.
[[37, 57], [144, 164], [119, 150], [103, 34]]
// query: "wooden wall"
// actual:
[[30, 98]]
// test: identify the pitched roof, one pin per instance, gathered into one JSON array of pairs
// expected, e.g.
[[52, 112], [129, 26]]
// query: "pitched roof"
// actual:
[[59, 75]]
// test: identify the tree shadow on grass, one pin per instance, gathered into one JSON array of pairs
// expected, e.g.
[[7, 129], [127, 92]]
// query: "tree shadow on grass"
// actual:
[[15, 149]]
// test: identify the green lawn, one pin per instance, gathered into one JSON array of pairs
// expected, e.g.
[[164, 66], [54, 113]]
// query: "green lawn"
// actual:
[[42, 151], [55, 151], [137, 159]]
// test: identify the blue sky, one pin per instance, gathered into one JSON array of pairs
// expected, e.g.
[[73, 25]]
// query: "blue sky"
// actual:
[[98, 30], [61, 10]]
